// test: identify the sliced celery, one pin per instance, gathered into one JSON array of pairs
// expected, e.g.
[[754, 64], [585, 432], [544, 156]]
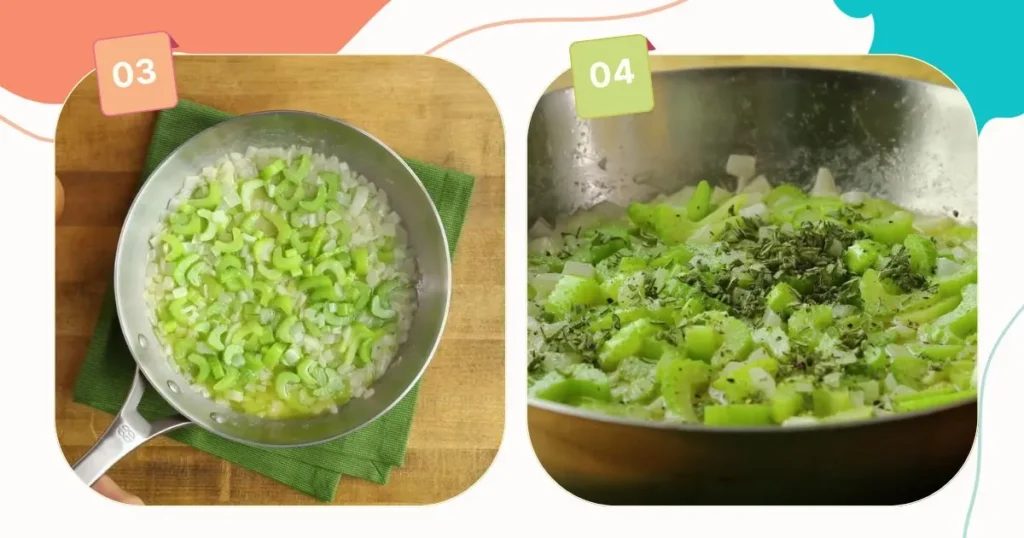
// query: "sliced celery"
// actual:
[[303, 371], [297, 171], [283, 382], [234, 245], [333, 267], [201, 363], [317, 203], [738, 415], [228, 381], [215, 338], [284, 230], [192, 227], [360, 257], [380, 310], [283, 332], [317, 241], [284, 303], [272, 169], [174, 247]]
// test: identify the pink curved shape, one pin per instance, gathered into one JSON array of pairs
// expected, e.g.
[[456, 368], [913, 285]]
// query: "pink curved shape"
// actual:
[[25, 131], [600, 18]]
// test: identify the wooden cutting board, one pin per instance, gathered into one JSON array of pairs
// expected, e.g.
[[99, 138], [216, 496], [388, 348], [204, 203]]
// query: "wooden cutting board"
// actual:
[[423, 108]]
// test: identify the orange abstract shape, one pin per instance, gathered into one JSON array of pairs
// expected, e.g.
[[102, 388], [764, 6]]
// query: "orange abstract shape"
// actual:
[[46, 46]]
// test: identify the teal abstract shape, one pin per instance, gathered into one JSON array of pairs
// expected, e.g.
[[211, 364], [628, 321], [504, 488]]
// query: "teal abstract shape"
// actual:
[[976, 44]]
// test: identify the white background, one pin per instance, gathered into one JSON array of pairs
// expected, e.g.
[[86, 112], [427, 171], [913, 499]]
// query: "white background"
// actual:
[[515, 63]]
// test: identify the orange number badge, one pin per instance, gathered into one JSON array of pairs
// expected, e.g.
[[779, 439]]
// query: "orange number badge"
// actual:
[[135, 73]]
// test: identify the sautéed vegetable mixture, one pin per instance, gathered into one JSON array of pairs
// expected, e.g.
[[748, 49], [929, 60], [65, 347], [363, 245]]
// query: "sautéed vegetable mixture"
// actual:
[[280, 283], [764, 306]]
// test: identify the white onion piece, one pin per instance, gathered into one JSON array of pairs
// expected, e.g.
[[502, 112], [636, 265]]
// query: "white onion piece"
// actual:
[[771, 319], [719, 195], [758, 185], [844, 358], [900, 390], [843, 310], [581, 220], [545, 282], [757, 355], [730, 367], [359, 200], [608, 211], [741, 167], [756, 210], [897, 350], [854, 197], [191, 182], [932, 224], [824, 184], [945, 267], [718, 396], [802, 387], [541, 228], [680, 197], [702, 236], [857, 398], [291, 356], [545, 245], [584, 270], [764, 382]]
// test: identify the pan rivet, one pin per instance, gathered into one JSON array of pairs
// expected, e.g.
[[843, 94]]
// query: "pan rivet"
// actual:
[[143, 342], [218, 418], [174, 387]]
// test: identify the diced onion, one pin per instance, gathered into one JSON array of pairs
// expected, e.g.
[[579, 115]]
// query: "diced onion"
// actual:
[[757, 210], [579, 269], [824, 184], [946, 267], [741, 167], [758, 185], [854, 197], [544, 283]]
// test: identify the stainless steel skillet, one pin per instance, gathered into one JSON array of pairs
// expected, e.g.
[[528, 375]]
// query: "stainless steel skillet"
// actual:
[[365, 154], [911, 142]]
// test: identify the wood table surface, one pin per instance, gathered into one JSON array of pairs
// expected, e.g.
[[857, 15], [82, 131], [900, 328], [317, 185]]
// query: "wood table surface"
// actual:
[[423, 108]]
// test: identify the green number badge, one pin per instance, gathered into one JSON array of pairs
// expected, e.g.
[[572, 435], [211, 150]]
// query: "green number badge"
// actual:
[[611, 76]]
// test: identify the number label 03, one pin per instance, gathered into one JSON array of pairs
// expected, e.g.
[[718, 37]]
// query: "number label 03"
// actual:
[[135, 74], [611, 77], [124, 75]]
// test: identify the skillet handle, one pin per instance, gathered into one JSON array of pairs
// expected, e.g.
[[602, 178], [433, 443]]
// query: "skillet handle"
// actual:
[[127, 432]]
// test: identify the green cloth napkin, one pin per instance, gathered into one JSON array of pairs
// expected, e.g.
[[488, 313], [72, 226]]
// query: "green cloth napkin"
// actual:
[[369, 453]]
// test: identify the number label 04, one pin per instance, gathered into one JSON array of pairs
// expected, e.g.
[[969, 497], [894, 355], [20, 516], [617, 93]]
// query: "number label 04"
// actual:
[[611, 77]]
